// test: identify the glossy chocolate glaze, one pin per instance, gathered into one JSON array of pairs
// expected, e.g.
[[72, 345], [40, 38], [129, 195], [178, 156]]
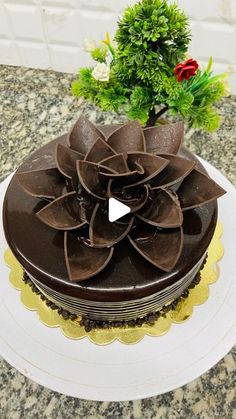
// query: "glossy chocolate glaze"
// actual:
[[128, 276], [120, 310]]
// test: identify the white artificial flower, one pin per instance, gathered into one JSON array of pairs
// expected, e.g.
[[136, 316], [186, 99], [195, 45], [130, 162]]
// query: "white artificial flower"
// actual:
[[101, 72], [89, 45]]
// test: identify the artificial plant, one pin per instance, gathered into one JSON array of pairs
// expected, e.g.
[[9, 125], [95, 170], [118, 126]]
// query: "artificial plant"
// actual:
[[145, 72]]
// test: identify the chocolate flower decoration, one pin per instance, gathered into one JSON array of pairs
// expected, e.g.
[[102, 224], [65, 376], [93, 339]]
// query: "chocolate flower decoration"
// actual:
[[140, 168]]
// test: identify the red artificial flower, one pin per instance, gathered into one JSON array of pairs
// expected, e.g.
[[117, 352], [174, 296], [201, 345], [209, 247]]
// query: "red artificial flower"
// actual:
[[185, 70]]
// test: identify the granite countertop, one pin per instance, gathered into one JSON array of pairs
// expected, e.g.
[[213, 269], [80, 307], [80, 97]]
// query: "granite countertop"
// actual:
[[35, 106]]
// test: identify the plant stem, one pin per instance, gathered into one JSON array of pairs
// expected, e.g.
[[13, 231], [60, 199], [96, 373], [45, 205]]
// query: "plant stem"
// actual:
[[151, 120], [154, 116]]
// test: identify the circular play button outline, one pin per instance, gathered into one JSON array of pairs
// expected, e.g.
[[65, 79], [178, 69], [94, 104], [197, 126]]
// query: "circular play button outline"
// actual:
[[116, 209]]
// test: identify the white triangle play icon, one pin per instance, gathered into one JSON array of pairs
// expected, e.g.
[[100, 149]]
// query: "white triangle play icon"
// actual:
[[116, 209]]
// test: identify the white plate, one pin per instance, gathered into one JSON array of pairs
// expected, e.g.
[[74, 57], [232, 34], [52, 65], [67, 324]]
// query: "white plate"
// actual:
[[124, 372]]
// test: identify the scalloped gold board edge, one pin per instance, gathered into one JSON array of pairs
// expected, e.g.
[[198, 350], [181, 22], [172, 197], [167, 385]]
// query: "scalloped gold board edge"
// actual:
[[128, 335]]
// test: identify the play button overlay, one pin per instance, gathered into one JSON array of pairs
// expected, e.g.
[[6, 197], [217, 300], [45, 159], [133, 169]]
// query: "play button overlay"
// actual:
[[116, 209]]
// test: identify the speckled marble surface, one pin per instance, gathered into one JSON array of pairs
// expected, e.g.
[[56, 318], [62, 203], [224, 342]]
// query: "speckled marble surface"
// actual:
[[36, 106]]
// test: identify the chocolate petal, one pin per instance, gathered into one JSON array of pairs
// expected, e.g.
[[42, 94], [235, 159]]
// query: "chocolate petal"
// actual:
[[99, 151], [63, 213], [83, 135], [129, 137], [102, 232], [164, 138], [162, 248], [120, 169], [176, 170], [117, 163], [89, 177], [128, 177], [163, 210], [66, 160], [151, 164], [45, 183], [135, 200], [83, 262], [198, 189], [86, 206]]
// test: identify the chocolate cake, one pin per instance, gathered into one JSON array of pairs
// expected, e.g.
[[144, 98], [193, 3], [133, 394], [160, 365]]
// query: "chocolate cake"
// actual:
[[56, 220]]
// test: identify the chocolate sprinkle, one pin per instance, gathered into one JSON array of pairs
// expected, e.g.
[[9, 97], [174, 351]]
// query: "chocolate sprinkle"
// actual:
[[90, 324]]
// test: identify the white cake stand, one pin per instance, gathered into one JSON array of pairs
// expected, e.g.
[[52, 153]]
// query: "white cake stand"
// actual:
[[124, 372]]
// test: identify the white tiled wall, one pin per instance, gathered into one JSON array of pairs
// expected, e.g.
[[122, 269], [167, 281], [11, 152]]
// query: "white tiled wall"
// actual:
[[49, 33]]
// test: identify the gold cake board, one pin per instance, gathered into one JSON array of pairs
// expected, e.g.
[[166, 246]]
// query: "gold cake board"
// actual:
[[128, 335]]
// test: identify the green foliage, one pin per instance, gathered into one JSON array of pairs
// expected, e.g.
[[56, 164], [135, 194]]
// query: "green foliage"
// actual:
[[99, 54], [152, 35], [85, 85], [141, 97], [108, 96], [164, 87], [181, 103], [140, 114], [112, 99], [141, 101], [152, 38], [205, 118], [196, 97]]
